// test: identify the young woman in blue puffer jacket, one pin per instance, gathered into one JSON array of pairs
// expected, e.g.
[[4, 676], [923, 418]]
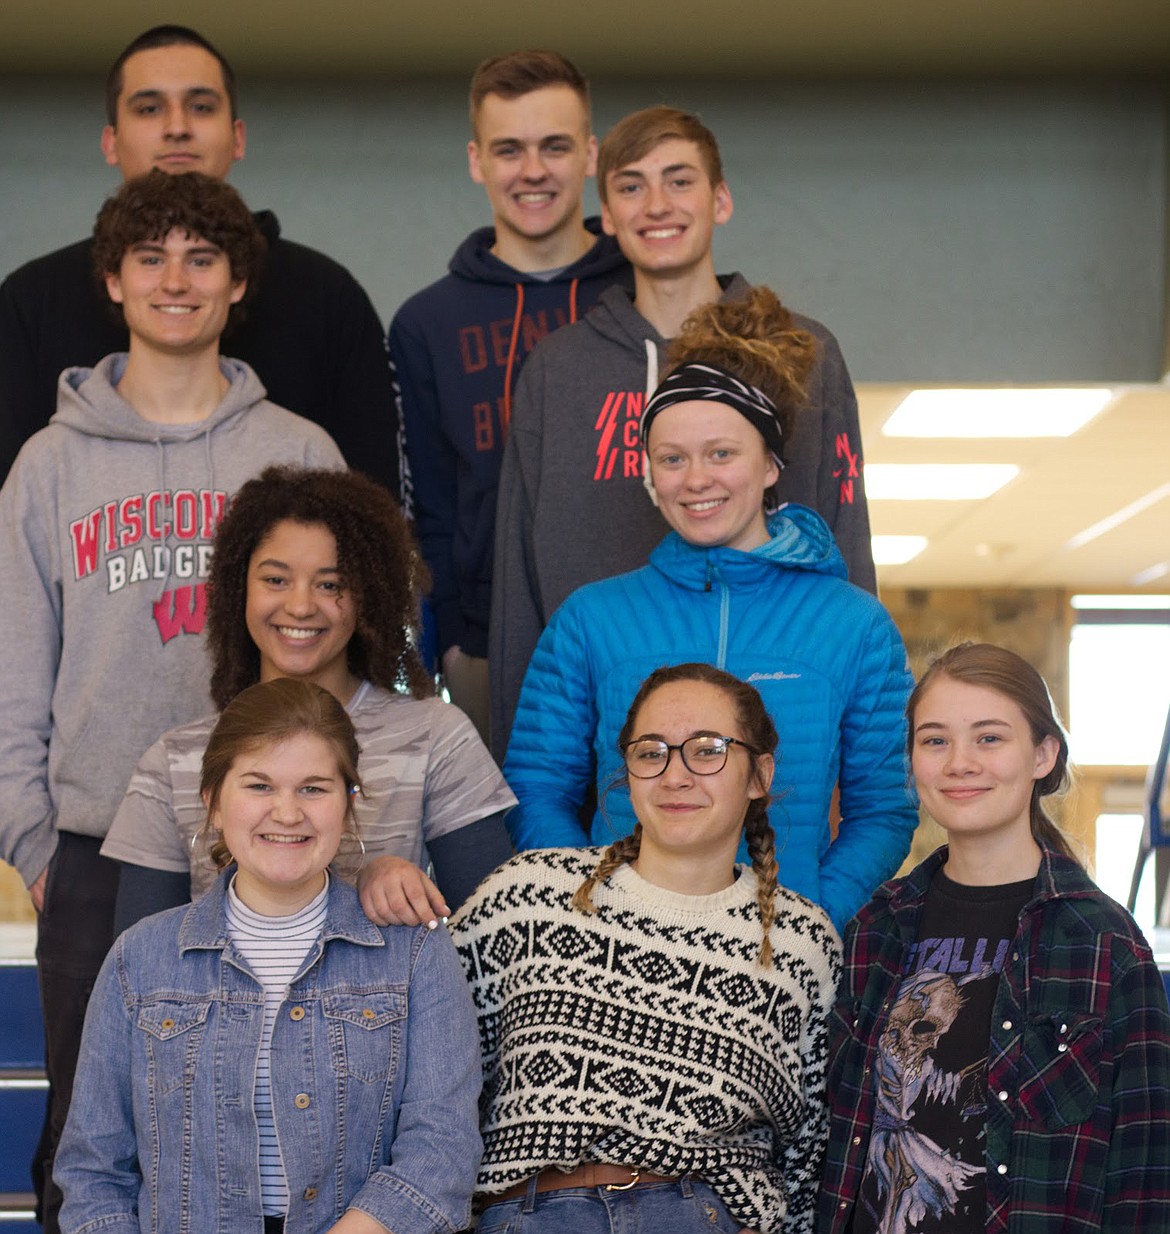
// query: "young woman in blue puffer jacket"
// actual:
[[753, 588]]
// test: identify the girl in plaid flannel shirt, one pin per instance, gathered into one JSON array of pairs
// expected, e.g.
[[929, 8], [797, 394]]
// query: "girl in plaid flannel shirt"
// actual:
[[1000, 1050]]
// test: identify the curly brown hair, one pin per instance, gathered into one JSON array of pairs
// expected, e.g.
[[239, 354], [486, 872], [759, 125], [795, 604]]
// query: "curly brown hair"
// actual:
[[379, 562], [149, 207], [760, 735], [755, 340]]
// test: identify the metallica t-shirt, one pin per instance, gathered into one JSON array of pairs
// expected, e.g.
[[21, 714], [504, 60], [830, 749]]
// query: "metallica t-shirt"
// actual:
[[924, 1171]]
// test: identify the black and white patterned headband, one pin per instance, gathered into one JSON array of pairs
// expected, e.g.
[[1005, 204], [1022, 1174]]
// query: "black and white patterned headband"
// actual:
[[710, 383]]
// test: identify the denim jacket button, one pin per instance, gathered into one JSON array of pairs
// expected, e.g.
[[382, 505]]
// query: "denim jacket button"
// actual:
[[310, 1193], [301, 1101], [297, 1013]]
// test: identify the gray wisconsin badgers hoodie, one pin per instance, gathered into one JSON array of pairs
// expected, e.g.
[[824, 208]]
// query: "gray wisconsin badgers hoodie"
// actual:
[[572, 506], [105, 540]]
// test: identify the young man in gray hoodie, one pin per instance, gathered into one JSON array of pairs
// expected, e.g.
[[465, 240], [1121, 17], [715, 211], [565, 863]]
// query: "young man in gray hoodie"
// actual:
[[571, 506], [106, 522]]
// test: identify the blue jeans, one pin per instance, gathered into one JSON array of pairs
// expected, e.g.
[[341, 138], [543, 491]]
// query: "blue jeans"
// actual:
[[685, 1207]]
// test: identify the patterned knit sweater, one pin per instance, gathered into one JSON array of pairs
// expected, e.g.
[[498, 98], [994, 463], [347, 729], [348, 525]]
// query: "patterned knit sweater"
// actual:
[[647, 1033]]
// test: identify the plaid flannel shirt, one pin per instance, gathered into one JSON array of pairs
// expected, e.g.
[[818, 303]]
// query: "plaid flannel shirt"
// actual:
[[1078, 1068]]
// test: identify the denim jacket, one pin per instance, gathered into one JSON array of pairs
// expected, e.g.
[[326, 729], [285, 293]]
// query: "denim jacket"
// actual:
[[1077, 1134], [375, 1081]]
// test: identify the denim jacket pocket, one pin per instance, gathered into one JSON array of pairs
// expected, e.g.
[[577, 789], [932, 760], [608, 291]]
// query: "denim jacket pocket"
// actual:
[[365, 1030], [1060, 1068], [173, 1030]]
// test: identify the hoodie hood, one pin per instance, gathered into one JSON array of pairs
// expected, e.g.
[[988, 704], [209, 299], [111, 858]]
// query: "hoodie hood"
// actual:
[[615, 318], [474, 260], [88, 401], [799, 540]]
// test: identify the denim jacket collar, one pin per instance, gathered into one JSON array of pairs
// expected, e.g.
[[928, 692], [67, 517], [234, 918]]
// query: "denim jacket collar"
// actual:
[[204, 925]]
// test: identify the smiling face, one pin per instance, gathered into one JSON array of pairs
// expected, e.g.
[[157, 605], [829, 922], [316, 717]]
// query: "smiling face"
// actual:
[[688, 818], [710, 469], [175, 293], [281, 813], [298, 612], [532, 154], [174, 114], [663, 209], [975, 762]]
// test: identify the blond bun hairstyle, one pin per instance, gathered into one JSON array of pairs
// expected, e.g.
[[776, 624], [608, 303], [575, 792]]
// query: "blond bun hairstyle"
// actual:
[[755, 340]]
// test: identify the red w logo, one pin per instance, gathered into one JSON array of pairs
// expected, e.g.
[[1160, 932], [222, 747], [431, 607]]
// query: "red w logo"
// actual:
[[181, 611]]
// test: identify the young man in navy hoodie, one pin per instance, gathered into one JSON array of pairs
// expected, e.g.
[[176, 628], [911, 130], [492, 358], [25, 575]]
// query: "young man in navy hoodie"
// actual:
[[457, 345], [572, 507], [106, 525], [310, 333]]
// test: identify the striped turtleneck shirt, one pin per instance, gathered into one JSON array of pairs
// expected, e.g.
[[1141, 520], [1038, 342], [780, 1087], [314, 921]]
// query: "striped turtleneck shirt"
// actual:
[[274, 948]]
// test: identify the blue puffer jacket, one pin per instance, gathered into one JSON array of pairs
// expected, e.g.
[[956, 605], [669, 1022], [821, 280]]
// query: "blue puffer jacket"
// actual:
[[824, 655]]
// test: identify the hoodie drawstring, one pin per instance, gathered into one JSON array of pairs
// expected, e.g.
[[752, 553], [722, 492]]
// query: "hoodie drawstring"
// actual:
[[512, 355], [651, 386], [516, 320]]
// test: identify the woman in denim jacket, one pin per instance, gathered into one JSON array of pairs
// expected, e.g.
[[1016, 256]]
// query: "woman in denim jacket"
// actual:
[[999, 1058], [267, 1058]]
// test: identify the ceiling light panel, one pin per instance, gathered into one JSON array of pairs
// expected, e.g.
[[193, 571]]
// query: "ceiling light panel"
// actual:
[[936, 481], [1007, 412]]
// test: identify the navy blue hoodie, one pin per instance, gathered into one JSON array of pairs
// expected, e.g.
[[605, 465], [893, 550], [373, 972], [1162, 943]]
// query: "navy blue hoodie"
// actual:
[[457, 347]]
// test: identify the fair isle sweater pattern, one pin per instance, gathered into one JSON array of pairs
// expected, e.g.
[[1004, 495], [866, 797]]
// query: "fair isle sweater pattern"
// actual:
[[647, 1034]]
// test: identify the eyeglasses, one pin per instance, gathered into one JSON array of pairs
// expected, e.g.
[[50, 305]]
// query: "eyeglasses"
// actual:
[[647, 757]]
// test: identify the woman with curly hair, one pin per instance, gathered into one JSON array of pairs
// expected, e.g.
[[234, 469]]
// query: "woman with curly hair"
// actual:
[[316, 576], [652, 1017], [754, 588]]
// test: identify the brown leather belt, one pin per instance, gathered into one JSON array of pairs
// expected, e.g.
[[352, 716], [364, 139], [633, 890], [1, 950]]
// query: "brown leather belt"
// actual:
[[591, 1174]]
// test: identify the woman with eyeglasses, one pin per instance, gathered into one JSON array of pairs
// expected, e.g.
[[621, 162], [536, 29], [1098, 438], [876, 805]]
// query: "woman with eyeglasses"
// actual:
[[750, 585], [652, 1016]]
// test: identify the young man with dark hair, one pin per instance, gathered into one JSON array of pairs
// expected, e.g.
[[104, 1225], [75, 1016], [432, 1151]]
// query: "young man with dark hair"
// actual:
[[311, 333], [106, 523], [572, 508], [457, 345]]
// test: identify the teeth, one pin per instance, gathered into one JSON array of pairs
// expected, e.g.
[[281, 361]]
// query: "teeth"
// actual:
[[297, 632], [283, 839], [700, 506], [176, 308], [662, 233], [534, 198]]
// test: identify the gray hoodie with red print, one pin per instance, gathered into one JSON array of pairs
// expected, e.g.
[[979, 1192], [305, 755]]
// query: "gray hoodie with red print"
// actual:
[[572, 506], [106, 522]]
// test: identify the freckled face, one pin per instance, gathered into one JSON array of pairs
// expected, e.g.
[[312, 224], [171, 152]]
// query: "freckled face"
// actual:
[[710, 469]]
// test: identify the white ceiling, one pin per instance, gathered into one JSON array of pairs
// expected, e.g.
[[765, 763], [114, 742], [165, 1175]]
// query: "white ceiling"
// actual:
[[1020, 536]]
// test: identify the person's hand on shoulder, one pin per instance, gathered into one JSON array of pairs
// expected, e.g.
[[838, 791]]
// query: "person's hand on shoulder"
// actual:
[[395, 891]]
